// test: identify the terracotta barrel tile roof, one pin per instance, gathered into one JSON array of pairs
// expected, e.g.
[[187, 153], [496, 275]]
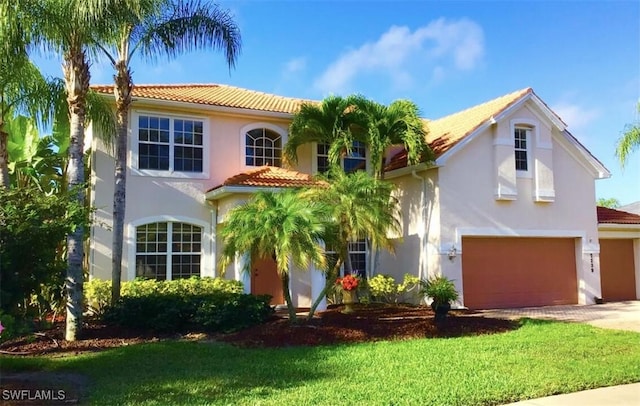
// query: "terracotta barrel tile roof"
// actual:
[[612, 216], [270, 176], [214, 95], [447, 131]]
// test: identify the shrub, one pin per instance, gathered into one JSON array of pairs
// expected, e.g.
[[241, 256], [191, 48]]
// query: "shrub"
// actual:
[[33, 227], [440, 289], [98, 292], [384, 288], [171, 312], [13, 327]]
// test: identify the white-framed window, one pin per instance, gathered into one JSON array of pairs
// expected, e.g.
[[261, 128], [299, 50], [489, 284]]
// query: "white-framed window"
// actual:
[[165, 145], [168, 250], [522, 139], [263, 147], [357, 253], [357, 160]]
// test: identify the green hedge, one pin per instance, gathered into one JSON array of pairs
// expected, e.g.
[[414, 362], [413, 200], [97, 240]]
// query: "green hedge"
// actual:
[[171, 312], [98, 292]]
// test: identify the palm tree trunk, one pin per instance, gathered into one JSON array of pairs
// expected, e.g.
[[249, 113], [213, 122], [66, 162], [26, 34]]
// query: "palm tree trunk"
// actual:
[[122, 92], [287, 297], [76, 75], [4, 158]]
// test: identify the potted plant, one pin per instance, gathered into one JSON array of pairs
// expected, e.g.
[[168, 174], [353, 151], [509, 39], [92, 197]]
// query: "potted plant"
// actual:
[[442, 292], [348, 284]]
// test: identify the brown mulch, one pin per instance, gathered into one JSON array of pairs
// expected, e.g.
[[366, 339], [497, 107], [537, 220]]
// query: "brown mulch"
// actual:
[[368, 323]]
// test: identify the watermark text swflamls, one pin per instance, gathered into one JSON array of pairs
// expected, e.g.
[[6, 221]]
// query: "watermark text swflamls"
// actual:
[[34, 395]]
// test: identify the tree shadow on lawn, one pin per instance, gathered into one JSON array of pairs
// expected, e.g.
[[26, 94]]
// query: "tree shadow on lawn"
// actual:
[[181, 372]]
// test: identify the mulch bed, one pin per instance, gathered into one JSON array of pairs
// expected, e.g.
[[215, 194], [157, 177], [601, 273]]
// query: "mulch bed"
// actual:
[[368, 323]]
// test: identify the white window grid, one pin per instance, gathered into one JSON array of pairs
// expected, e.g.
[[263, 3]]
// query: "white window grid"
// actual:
[[168, 250], [263, 147]]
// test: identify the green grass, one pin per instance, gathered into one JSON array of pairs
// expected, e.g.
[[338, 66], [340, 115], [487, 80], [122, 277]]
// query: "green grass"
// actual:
[[538, 359]]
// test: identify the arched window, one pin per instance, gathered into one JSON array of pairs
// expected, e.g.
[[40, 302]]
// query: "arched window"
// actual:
[[263, 147], [168, 250]]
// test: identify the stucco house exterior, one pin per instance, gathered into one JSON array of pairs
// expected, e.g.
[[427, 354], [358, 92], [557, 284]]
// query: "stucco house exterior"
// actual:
[[507, 211]]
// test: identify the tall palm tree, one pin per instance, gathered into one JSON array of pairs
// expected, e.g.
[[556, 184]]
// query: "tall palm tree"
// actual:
[[158, 28], [629, 142], [279, 225], [327, 123], [383, 126], [360, 207], [71, 28]]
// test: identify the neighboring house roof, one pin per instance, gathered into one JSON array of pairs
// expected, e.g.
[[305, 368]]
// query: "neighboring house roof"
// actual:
[[450, 133], [631, 208], [612, 216], [214, 95], [263, 177]]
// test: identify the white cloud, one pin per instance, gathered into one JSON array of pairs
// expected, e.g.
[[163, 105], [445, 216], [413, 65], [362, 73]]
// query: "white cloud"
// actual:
[[295, 65], [459, 44], [575, 116]]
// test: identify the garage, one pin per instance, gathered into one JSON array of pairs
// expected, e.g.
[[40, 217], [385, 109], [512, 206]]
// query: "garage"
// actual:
[[617, 270], [518, 272]]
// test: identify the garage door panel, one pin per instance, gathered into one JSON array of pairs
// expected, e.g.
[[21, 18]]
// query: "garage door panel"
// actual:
[[518, 272], [617, 270]]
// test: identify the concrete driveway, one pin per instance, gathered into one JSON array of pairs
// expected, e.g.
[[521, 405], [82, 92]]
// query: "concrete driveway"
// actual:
[[616, 315]]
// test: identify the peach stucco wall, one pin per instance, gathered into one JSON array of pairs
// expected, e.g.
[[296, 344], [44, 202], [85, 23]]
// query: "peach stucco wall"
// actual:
[[470, 205], [151, 198]]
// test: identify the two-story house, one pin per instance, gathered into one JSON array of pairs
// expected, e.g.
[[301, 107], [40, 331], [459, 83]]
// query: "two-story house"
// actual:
[[507, 211]]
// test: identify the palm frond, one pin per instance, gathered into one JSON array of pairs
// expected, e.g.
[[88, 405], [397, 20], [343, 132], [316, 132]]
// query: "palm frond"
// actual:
[[185, 26]]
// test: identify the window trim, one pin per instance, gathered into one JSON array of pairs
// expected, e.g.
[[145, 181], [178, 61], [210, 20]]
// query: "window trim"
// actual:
[[314, 158], [206, 259], [134, 146], [366, 253], [257, 126], [532, 134]]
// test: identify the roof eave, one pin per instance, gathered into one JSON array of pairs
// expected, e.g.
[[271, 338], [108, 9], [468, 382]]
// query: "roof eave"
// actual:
[[225, 190], [406, 170], [206, 107], [618, 226]]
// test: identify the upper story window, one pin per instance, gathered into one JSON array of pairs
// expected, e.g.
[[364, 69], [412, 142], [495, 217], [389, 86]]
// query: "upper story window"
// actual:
[[168, 250], [170, 144], [357, 160], [522, 139], [263, 147]]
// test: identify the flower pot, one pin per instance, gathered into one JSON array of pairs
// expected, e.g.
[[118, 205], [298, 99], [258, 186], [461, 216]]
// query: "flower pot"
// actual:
[[348, 299], [441, 310]]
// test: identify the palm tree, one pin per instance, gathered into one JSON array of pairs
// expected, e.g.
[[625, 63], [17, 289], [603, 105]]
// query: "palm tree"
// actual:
[[383, 126], [360, 207], [71, 28], [158, 27], [23, 89], [279, 225], [629, 142], [327, 123]]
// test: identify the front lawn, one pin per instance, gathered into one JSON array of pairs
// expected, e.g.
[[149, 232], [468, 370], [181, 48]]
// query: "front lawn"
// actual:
[[539, 359]]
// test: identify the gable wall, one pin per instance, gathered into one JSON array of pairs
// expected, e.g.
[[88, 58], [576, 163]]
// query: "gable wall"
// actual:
[[470, 206]]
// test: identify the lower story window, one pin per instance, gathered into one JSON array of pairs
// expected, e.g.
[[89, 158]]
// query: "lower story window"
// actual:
[[357, 254], [167, 250]]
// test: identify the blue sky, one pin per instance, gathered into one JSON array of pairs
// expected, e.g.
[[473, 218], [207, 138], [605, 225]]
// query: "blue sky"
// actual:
[[581, 57]]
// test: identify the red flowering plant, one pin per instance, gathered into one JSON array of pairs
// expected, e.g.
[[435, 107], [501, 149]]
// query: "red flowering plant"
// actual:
[[348, 283]]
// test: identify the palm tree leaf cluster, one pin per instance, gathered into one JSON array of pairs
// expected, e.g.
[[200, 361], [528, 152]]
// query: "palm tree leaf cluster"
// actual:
[[79, 31], [341, 121]]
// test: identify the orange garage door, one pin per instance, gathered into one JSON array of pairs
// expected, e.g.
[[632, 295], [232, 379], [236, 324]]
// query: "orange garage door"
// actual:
[[518, 272], [617, 273]]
